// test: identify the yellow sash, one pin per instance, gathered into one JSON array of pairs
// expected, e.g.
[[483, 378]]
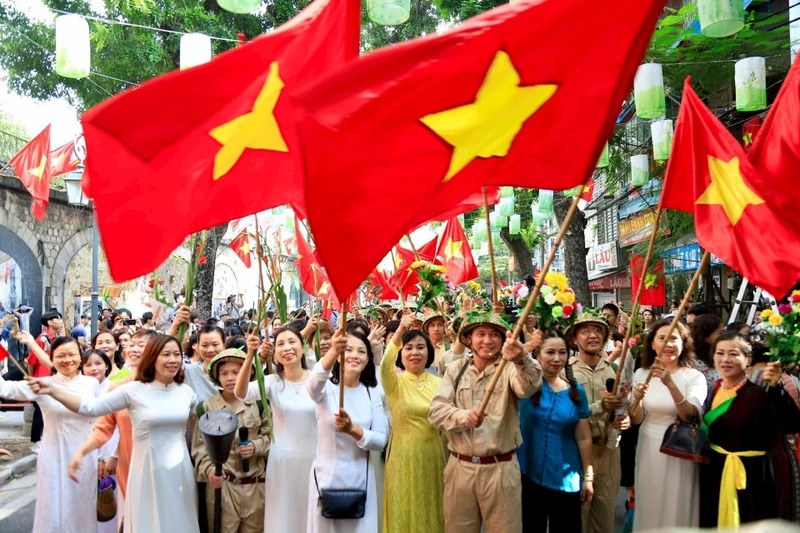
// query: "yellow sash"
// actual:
[[734, 478]]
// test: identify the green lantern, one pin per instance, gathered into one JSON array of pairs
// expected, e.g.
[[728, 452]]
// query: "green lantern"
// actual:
[[288, 219], [502, 221], [603, 161], [495, 237], [506, 192], [388, 12], [494, 220], [539, 218], [546, 202], [648, 91], [751, 84], [239, 6], [73, 49], [720, 18], [506, 206], [661, 132], [277, 210], [514, 224], [640, 170]]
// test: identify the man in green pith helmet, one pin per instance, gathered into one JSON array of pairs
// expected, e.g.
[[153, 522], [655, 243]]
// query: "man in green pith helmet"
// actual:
[[588, 335], [482, 476], [242, 481]]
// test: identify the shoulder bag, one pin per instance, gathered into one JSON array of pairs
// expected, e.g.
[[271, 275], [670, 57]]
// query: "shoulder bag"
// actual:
[[687, 440]]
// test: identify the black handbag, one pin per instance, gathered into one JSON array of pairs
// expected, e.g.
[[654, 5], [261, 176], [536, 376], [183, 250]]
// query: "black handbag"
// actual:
[[687, 440], [344, 503]]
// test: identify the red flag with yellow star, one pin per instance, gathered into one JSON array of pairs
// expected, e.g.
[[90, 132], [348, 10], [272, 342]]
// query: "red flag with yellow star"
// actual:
[[525, 94], [381, 286], [709, 175], [405, 278], [654, 291], [312, 275], [63, 160], [456, 254], [241, 247], [32, 166], [216, 141]]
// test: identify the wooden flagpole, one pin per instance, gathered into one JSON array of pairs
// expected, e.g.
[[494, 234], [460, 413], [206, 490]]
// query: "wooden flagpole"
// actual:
[[343, 331], [533, 295], [634, 313], [413, 248]]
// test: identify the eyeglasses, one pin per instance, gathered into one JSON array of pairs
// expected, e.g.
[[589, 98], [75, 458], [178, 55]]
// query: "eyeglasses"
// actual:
[[586, 331]]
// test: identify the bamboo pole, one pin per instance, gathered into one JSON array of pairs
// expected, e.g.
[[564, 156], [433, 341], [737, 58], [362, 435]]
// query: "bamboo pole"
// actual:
[[413, 248], [491, 250], [533, 295], [397, 277], [343, 331], [634, 313]]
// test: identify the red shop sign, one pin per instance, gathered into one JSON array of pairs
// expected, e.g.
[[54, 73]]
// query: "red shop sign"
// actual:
[[620, 280]]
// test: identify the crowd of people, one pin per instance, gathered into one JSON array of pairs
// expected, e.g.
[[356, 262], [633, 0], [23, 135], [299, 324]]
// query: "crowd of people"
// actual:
[[403, 421]]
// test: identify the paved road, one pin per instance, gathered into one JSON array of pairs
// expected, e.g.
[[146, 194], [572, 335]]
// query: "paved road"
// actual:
[[17, 500]]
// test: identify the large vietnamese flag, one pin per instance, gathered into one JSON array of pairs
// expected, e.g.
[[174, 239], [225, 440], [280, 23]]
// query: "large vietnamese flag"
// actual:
[[32, 166], [196, 148], [710, 176], [525, 94]]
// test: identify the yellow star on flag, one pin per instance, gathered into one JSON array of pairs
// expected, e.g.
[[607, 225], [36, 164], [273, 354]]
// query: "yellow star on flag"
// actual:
[[39, 171], [245, 248], [324, 288], [453, 249], [728, 189], [257, 130], [488, 126]]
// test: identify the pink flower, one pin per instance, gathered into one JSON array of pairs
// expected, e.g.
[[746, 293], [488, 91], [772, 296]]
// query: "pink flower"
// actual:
[[784, 309]]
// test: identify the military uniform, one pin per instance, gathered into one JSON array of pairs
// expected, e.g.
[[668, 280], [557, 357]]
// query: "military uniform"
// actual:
[[242, 492], [598, 516], [482, 476]]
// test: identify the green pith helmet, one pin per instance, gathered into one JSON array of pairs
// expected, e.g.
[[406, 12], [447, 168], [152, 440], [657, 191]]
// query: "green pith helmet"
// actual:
[[485, 318], [587, 317], [428, 321], [230, 354]]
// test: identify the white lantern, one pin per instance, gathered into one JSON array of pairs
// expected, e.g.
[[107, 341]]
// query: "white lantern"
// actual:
[[388, 12], [506, 206], [648, 91], [546, 202], [73, 49], [494, 220], [720, 18], [640, 170], [514, 224], [195, 50], [662, 139], [239, 6], [751, 84]]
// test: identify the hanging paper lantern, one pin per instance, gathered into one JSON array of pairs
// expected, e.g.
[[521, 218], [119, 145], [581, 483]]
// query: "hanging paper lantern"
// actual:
[[751, 84], [640, 170], [388, 12], [502, 221], [277, 210], [720, 18], [195, 50], [239, 6], [288, 219], [477, 229], [662, 139], [514, 224], [546, 202], [603, 161], [484, 248], [539, 219], [648, 91], [73, 50], [494, 220], [506, 192], [506, 206]]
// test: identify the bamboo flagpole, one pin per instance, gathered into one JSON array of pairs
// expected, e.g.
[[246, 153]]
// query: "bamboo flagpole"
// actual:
[[397, 277], [491, 248], [634, 313], [262, 389], [684, 304], [533, 295], [343, 331], [413, 248]]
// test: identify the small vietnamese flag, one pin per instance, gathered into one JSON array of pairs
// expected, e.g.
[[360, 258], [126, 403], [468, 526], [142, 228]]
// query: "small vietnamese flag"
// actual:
[[62, 160], [32, 166], [241, 247], [654, 292], [456, 253]]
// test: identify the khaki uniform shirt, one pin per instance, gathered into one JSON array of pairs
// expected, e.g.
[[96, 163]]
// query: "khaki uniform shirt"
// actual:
[[500, 431], [447, 358], [258, 428], [593, 382]]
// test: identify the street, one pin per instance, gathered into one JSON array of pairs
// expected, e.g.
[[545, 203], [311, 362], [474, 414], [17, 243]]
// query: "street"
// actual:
[[17, 499]]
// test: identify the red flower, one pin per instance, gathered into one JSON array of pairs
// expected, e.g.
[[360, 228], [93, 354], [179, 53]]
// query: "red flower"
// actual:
[[198, 248], [151, 283], [203, 260], [568, 310], [795, 297]]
